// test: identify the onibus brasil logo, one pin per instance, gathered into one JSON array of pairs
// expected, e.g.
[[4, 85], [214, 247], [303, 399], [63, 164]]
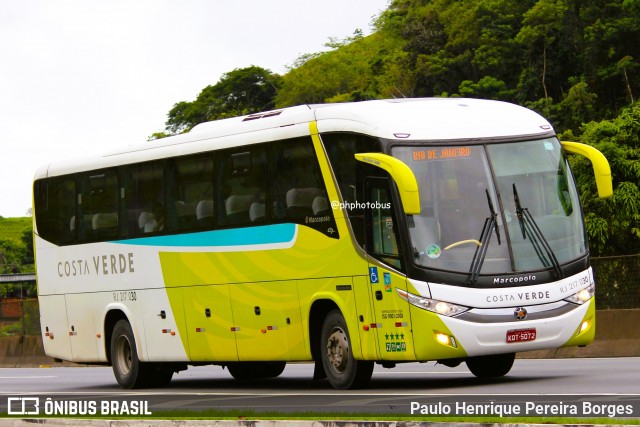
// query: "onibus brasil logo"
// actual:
[[48, 406]]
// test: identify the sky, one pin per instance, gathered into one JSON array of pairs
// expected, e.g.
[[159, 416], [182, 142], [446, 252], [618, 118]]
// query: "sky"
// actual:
[[81, 77]]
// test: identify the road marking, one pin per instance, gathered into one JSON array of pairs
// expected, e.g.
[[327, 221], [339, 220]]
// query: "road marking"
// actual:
[[29, 377], [235, 395], [423, 373]]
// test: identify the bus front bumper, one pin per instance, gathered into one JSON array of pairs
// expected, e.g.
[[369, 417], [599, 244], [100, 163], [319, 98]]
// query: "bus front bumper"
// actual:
[[461, 337]]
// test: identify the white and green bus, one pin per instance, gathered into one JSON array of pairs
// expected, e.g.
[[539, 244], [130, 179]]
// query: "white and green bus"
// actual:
[[346, 235]]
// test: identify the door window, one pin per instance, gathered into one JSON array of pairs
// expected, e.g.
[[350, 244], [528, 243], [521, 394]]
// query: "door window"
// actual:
[[384, 243]]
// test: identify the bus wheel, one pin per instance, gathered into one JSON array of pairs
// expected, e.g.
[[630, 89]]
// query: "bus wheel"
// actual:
[[255, 370], [127, 368], [342, 369], [492, 366]]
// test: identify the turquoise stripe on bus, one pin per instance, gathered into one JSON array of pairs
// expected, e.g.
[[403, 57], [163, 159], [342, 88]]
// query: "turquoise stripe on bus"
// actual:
[[262, 235]]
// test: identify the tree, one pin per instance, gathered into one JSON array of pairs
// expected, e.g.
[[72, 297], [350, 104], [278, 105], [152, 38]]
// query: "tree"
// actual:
[[11, 254], [356, 68], [542, 25], [576, 108], [27, 241], [238, 92], [498, 53], [611, 32], [613, 224], [627, 63], [487, 87], [447, 60], [158, 135]]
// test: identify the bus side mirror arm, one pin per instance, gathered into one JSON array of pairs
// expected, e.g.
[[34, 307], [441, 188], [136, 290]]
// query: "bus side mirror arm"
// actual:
[[601, 168], [401, 174]]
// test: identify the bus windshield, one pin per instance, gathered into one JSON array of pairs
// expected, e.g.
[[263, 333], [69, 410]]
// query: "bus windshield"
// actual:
[[507, 207]]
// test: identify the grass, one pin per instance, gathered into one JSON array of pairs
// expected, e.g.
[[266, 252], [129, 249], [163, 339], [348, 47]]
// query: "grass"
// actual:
[[11, 329], [249, 415], [241, 415], [12, 228]]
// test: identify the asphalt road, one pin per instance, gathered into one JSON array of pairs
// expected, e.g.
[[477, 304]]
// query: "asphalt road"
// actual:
[[602, 383]]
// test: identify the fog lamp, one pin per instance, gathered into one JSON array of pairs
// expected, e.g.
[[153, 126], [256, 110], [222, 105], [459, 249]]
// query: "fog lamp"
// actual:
[[583, 327], [445, 339]]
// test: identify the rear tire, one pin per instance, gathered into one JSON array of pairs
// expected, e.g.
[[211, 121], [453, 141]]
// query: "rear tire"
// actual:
[[127, 368], [496, 365], [244, 371], [342, 369]]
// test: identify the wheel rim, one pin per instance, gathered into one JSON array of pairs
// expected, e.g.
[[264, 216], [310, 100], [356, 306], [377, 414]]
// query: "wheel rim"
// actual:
[[338, 349], [124, 355]]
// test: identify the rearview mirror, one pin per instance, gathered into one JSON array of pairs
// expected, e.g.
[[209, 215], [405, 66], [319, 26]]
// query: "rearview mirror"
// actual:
[[601, 168], [401, 174]]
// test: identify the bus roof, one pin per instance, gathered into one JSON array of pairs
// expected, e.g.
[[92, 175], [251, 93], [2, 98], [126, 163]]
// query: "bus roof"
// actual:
[[423, 119], [433, 119]]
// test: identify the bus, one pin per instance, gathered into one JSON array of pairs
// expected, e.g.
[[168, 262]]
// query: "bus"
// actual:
[[344, 235]]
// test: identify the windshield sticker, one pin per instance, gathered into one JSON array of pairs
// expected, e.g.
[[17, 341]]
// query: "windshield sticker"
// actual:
[[433, 251], [441, 153], [548, 146]]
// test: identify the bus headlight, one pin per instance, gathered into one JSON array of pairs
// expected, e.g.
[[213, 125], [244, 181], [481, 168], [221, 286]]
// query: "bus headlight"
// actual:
[[583, 295], [434, 305]]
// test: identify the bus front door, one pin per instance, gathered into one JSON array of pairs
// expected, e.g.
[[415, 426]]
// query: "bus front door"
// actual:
[[392, 319]]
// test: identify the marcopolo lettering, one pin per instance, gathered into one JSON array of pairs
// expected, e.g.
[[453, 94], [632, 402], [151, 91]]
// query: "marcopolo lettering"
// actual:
[[311, 219], [99, 265], [515, 279]]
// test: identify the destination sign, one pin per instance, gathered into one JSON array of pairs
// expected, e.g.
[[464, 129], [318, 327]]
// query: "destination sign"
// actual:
[[441, 153]]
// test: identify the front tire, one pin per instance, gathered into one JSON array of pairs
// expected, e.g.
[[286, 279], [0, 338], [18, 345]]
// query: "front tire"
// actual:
[[497, 365], [342, 369]]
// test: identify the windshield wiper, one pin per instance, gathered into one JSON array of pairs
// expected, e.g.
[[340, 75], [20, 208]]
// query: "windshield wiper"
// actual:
[[529, 227], [490, 224]]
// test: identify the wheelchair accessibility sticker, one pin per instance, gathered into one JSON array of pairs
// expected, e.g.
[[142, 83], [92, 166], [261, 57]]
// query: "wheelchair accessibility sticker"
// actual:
[[373, 275]]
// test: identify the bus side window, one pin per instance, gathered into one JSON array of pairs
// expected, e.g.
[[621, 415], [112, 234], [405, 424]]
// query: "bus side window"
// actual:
[[190, 193], [298, 192], [241, 184], [143, 191], [350, 173], [56, 210], [98, 206]]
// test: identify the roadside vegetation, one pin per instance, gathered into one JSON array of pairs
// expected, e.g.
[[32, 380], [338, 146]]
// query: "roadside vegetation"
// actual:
[[16, 246], [361, 419]]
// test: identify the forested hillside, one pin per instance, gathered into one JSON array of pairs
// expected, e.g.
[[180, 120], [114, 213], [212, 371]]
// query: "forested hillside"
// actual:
[[574, 61], [16, 245]]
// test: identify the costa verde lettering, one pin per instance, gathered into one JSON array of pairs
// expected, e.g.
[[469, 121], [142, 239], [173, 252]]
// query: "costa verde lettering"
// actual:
[[521, 296], [99, 265]]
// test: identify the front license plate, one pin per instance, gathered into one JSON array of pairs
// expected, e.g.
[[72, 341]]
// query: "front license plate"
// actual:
[[521, 335]]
